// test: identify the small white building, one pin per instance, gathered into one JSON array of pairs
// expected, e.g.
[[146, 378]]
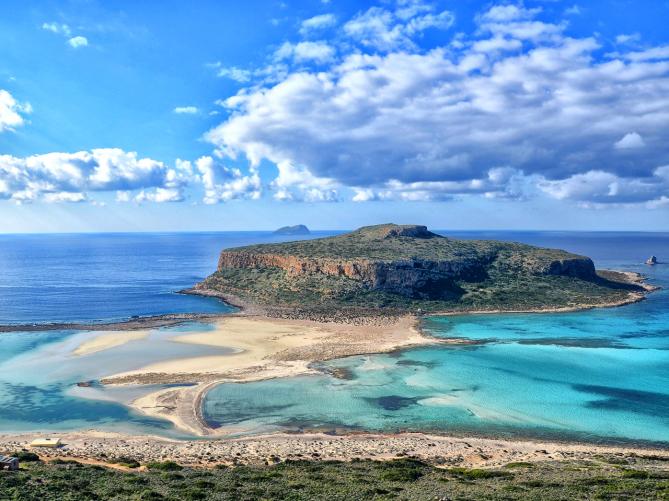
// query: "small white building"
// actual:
[[46, 442]]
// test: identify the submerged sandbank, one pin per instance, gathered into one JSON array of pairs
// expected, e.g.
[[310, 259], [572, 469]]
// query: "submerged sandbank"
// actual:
[[106, 340], [267, 348]]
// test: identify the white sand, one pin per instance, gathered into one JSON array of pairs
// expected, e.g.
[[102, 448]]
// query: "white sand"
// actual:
[[106, 340], [268, 348]]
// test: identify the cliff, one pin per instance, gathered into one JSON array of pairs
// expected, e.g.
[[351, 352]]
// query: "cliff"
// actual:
[[404, 267]]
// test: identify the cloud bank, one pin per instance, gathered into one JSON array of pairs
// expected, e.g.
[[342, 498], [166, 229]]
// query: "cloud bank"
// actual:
[[517, 109]]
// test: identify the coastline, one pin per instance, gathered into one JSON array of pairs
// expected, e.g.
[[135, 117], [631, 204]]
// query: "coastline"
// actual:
[[441, 450], [263, 356], [273, 354], [268, 348]]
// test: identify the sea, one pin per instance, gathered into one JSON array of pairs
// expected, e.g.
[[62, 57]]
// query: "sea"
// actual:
[[599, 376]]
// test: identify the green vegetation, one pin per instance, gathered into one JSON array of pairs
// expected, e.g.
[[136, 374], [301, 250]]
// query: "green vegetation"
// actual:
[[408, 269], [165, 466], [404, 479]]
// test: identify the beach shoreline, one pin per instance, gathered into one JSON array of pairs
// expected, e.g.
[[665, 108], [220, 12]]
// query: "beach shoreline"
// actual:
[[267, 348], [271, 347], [436, 449], [253, 332]]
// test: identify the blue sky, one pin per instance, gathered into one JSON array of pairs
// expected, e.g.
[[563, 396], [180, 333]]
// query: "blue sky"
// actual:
[[158, 116]]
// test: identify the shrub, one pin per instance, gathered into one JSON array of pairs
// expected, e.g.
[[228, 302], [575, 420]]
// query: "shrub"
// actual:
[[477, 473], [26, 456], [164, 466]]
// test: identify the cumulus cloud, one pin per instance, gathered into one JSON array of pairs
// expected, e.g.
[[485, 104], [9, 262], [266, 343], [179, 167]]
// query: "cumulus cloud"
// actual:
[[222, 183], [58, 177], [57, 28], [391, 120], [234, 73], [186, 110], [317, 23], [384, 29], [64, 30], [78, 41], [597, 188], [12, 112], [631, 140], [319, 52]]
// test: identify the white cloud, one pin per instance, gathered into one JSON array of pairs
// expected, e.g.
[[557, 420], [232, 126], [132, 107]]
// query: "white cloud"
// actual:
[[56, 177], [319, 52], [625, 39], [11, 111], [222, 184], [631, 140], [237, 74], [574, 10], [78, 41], [159, 195], [57, 28], [386, 30], [64, 30], [317, 23], [64, 197], [597, 188], [389, 120], [186, 110]]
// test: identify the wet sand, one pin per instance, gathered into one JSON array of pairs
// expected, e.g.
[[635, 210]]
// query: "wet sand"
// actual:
[[107, 340], [267, 348]]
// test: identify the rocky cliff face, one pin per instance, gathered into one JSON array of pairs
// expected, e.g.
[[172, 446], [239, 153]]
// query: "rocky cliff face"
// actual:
[[419, 278]]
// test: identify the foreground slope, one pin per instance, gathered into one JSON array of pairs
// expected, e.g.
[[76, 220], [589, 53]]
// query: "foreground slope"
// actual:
[[409, 269]]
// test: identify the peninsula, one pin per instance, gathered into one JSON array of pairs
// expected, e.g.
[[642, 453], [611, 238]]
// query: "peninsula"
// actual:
[[394, 270]]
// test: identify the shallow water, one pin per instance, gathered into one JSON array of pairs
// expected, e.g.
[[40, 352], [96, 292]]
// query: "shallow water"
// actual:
[[39, 372], [599, 375]]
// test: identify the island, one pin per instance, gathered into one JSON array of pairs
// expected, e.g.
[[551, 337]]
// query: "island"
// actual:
[[394, 269], [298, 229]]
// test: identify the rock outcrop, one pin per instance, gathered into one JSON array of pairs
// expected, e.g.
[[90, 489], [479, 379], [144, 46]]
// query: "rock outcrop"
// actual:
[[400, 272]]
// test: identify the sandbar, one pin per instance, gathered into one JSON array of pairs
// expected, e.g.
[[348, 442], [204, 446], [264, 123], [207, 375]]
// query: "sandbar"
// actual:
[[107, 340]]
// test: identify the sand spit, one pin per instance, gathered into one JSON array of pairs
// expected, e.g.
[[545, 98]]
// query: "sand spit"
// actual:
[[107, 340], [267, 348], [436, 449]]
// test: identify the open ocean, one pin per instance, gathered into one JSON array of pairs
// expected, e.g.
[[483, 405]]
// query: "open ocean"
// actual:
[[600, 375]]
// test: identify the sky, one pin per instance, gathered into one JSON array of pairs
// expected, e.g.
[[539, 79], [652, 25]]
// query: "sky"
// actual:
[[209, 115]]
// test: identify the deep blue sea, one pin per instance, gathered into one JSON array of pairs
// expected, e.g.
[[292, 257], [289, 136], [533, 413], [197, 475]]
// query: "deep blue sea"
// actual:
[[600, 375], [109, 277]]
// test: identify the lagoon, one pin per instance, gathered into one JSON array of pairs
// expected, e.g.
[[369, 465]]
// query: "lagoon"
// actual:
[[599, 375]]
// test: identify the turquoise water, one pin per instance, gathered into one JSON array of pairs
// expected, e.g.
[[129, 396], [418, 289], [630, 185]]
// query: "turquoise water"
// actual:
[[599, 375], [39, 372]]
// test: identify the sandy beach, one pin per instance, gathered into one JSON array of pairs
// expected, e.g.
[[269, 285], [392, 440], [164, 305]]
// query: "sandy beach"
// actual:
[[436, 449], [266, 348]]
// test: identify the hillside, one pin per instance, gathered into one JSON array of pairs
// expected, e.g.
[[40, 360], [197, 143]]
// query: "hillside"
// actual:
[[408, 268]]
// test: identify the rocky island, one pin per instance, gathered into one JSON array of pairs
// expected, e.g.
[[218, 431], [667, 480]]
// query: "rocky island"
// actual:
[[402, 269], [298, 229]]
